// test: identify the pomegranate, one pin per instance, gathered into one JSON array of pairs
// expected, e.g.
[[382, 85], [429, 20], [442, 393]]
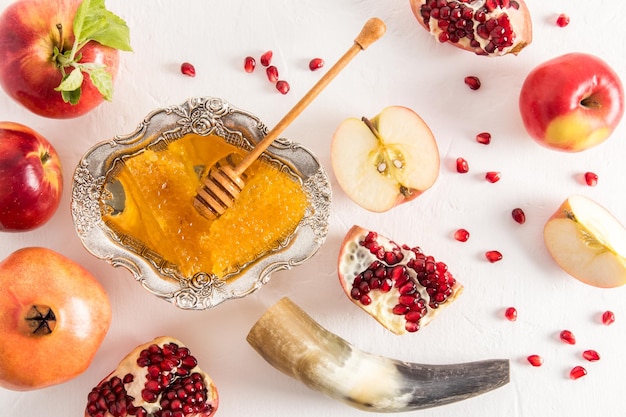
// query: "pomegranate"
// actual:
[[53, 317], [484, 138], [462, 167], [608, 318], [282, 86], [535, 360], [249, 63], [187, 68], [567, 337], [400, 286], [266, 58], [160, 378], [485, 27], [510, 313], [316, 63], [472, 82], [518, 215]]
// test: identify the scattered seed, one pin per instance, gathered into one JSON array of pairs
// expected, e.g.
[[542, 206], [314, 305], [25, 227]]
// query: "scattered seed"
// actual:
[[461, 235], [518, 215], [591, 179], [272, 73], [591, 355], [316, 63], [266, 58], [510, 314], [608, 318], [535, 360], [577, 372], [282, 86], [568, 337], [462, 166], [249, 64], [493, 256], [188, 69], [472, 82], [493, 176], [484, 138], [562, 20]]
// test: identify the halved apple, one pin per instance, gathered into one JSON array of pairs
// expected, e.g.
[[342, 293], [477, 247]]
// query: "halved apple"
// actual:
[[385, 161], [588, 242]]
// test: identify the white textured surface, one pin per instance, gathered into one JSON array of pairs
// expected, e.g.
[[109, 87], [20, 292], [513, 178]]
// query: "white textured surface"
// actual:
[[407, 68]]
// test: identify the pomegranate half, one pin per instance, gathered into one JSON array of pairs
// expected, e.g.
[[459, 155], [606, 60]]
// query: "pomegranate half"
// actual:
[[399, 286], [160, 378], [485, 27], [53, 317]]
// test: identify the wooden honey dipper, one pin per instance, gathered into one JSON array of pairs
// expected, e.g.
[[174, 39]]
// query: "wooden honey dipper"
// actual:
[[223, 184]]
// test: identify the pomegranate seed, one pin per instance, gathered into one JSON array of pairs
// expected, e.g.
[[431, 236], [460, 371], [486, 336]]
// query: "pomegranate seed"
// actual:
[[484, 138], [461, 235], [188, 69], [577, 372], [472, 82], [562, 20], [510, 314], [568, 337], [493, 256], [493, 176], [272, 73], [282, 86], [316, 63], [518, 215], [249, 64], [461, 166], [266, 58], [608, 318], [591, 355], [535, 360], [591, 179]]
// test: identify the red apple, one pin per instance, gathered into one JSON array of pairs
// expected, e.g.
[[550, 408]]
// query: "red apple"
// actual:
[[53, 317], [30, 178], [572, 102], [50, 70], [386, 161]]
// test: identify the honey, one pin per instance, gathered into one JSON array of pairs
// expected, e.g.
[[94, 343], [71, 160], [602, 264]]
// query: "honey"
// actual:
[[159, 187]]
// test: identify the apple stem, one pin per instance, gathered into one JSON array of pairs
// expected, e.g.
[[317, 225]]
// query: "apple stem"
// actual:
[[371, 127], [590, 103], [60, 30]]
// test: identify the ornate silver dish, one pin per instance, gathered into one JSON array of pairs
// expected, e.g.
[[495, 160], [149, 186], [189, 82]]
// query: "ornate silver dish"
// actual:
[[95, 193]]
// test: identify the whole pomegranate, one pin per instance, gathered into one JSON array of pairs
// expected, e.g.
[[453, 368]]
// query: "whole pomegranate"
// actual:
[[53, 317], [160, 378], [485, 27], [399, 286]]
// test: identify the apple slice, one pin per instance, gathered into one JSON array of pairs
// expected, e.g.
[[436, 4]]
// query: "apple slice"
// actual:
[[588, 242], [386, 161]]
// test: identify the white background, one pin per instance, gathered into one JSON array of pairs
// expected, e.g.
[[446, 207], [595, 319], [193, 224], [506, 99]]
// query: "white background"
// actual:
[[407, 67]]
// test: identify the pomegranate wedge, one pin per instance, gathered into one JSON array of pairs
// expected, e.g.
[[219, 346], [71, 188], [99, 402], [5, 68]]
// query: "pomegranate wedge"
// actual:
[[157, 379], [400, 286], [485, 27], [295, 344]]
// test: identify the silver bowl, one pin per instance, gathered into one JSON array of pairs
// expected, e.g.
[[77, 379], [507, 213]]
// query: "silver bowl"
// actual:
[[94, 193]]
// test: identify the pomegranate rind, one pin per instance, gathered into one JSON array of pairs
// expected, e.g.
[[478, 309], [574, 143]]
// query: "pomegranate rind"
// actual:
[[519, 18], [128, 366], [355, 258]]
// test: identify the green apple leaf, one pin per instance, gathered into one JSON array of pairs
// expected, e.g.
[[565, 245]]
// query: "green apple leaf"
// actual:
[[71, 97], [102, 80], [71, 81], [93, 22]]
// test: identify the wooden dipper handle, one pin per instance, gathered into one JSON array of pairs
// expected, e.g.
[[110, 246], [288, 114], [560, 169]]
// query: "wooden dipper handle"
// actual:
[[373, 29]]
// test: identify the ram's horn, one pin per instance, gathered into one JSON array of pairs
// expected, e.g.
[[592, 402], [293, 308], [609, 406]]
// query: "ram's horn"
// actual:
[[291, 341]]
